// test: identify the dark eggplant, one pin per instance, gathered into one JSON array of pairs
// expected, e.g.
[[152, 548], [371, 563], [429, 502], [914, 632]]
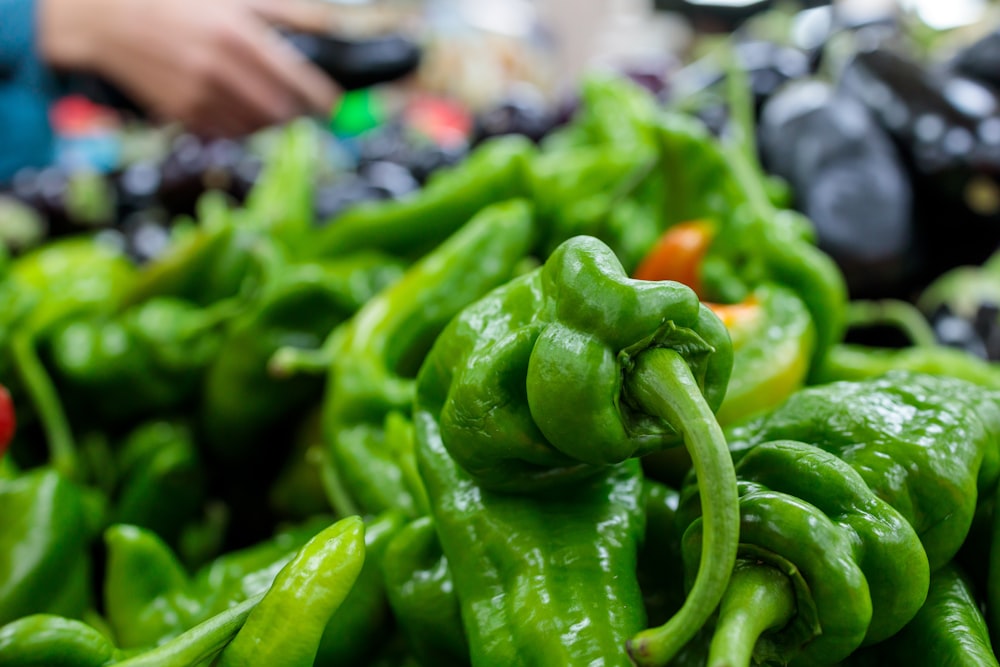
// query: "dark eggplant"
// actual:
[[947, 128], [847, 178]]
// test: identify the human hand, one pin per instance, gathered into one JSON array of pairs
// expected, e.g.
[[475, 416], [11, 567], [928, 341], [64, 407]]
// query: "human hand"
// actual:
[[214, 65]]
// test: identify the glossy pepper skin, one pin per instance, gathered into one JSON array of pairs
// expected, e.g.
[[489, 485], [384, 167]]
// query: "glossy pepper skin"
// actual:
[[149, 597], [822, 543], [696, 177], [421, 592], [575, 367], [412, 227], [921, 445], [949, 630], [46, 640], [771, 329], [297, 306], [378, 350], [148, 360], [285, 629], [45, 527], [530, 595], [529, 382]]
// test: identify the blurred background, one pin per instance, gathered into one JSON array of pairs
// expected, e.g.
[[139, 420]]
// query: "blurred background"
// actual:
[[880, 118]]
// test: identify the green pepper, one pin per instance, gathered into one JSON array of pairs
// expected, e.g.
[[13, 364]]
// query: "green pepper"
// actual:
[[162, 485], [890, 461], [495, 172], [149, 597], [353, 630], [146, 361], [71, 278], [379, 349], [147, 592], [286, 628], [422, 595], [948, 630], [44, 640], [298, 305], [45, 530], [531, 593], [575, 367], [825, 566], [858, 362]]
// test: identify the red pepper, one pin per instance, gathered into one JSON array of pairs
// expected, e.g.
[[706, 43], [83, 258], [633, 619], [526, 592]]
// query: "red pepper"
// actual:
[[7, 421]]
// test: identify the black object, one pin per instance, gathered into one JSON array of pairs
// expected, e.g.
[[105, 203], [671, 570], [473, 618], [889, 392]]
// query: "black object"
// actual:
[[981, 60], [848, 179], [947, 128], [361, 63]]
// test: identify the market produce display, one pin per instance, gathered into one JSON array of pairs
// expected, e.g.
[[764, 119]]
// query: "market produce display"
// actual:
[[582, 400]]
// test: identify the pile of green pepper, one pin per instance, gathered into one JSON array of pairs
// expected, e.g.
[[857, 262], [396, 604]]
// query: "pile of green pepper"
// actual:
[[583, 403]]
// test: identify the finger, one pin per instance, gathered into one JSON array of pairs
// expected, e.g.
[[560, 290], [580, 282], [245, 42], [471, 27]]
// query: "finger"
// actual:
[[288, 70]]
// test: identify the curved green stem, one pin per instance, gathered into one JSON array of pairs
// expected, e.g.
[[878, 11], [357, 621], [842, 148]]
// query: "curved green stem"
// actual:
[[333, 485], [759, 598], [663, 384], [62, 448], [899, 314]]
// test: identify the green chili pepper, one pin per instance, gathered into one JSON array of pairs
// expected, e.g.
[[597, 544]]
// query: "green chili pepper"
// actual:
[[162, 484], [422, 595], [352, 632], [380, 348], [147, 593], [70, 277], [299, 304], [858, 362], [52, 641], [285, 629], [43, 640], [949, 629], [45, 530], [146, 361], [496, 172], [575, 367], [890, 461]]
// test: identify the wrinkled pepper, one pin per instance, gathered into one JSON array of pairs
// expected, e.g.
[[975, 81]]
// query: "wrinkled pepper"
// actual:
[[46, 525], [851, 493], [572, 368], [378, 350], [411, 227]]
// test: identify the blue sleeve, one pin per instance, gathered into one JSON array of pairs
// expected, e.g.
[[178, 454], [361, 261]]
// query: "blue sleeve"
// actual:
[[27, 88], [17, 34]]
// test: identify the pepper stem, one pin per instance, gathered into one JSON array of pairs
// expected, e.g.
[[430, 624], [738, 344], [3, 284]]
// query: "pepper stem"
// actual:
[[759, 598], [662, 383], [62, 448]]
